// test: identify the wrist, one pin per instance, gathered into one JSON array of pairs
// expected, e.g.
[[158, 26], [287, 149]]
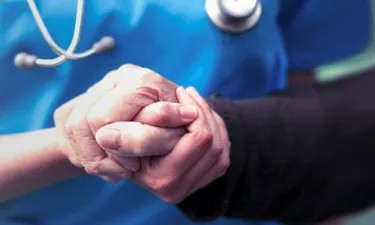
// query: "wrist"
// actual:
[[32, 161]]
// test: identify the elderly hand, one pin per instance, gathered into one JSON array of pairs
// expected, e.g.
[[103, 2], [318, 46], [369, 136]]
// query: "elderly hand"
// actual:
[[198, 158], [121, 96]]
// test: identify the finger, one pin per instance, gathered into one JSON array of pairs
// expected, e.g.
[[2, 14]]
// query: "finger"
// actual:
[[223, 131], [132, 164], [185, 98], [109, 79], [109, 168], [192, 146], [167, 114], [112, 179], [83, 141], [61, 116], [202, 169], [63, 112], [133, 139], [215, 121], [199, 99], [209, 115], [216, 171], [138, 88], [219, 168], [212, 155], [168, 170]]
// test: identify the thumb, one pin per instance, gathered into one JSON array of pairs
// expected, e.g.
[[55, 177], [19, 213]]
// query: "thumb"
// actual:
[[167, 114], [133, 139]]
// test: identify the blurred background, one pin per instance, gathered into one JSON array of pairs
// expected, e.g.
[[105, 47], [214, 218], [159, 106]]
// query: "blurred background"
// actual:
[[353, 65]]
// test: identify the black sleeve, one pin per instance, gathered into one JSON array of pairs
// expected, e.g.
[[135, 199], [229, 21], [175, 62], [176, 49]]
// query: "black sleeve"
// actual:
[[303, 155]]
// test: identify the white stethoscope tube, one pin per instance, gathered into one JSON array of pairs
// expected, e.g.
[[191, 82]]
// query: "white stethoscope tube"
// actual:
[[24, 60], [235, 16]]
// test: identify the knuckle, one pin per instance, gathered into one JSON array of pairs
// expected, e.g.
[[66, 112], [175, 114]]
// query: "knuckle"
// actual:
[[163, 113], [173, 198], [128, 65], [228, 144], [224, 163], [138, 150], [92, 167], [163, 186], [74, 161], [111, 74], [220, 120], [137, 143], [221, 172], [110, 179], [95, 119], [74, 130], [204, 137], [146, 95], [153, 85], [92, 118], [58, 114], [148, 76], [126, 176], [206, 107], [70, 127], [136, 73], [62, 113], [113, 180], [91, 171], [93, 88], [216, 150], [178, 133]]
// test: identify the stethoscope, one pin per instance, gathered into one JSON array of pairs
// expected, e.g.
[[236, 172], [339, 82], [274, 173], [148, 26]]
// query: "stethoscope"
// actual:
[[232, 16]]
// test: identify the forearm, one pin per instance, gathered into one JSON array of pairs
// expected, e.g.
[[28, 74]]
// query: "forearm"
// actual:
[[30, 161], [304, 155]]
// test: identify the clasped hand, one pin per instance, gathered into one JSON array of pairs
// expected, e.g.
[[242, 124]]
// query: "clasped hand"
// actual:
[[136, 125]]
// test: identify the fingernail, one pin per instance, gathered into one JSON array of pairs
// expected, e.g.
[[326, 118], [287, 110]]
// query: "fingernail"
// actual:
[[188, 112], [183, 90], [109, 138], [191, 90], [179, 89]]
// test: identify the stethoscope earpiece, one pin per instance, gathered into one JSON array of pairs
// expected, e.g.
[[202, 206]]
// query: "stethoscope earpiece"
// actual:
[[23, 60], [106, 44], [234, 16]]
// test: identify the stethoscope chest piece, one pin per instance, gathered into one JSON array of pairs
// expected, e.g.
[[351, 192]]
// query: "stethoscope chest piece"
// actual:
[[234, 16]]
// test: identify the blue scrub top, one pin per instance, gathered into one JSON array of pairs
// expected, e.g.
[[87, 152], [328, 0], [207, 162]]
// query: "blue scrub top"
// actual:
[[174, 38]]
